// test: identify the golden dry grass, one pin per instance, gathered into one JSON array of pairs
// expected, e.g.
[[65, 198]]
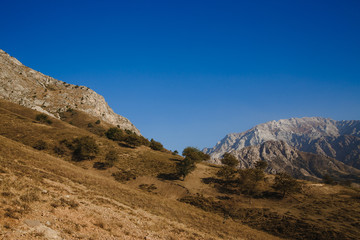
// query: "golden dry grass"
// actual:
[[84, 202], [77, 201], [80, 202]]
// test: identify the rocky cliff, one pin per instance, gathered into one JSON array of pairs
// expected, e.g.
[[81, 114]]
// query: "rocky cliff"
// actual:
[[27, 87], [336, 139], [282, 157]]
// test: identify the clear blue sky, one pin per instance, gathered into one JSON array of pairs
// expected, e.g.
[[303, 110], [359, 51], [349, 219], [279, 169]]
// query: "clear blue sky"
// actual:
[[189, 72]]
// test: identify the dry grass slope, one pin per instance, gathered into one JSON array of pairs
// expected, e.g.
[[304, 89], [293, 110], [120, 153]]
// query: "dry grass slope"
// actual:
[[47, 197]]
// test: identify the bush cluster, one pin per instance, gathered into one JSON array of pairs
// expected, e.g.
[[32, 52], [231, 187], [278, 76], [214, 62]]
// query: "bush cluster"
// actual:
[[192, 156], [85, 148], [123, 176], [240, 180], [43, 118], [157, 146], [128, 137], [40, 145], [285, 184], [110, 159]]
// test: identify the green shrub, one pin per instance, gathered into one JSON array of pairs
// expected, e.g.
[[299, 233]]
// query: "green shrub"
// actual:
[[115, 134], [229, 160], [157, 146], [127, 136], [285, 184], [59, 150], [97, 122], [68, 144], [195, 154], [133, 140], [43, 118], [249, 180], [147, 187], [227, 173], [102, 165], [123, 176], [184, 167], [40, 145], [85, 148]]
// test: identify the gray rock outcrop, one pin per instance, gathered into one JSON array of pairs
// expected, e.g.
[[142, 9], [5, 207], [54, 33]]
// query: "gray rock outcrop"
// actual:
[[283, 158], [327, 137]]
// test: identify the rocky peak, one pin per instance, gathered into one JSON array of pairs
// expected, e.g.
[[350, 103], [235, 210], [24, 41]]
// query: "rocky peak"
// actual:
[[32, 89], [297, 132]]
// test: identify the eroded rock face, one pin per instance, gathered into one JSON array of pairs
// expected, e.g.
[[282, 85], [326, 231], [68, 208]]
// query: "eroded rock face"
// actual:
[[336, 139], [283, 158], [27, 87]]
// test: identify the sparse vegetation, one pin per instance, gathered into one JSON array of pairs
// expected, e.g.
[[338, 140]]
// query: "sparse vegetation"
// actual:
[[128, 137], [184, 167], [111, 157], [157, 146], [123, 176], [84, 148], [188, 164], [285, 184], [59, 150], [229, 160], [43, 118], [147, 187], [115, 134], [195, 154], [40, 145], [31, 182]]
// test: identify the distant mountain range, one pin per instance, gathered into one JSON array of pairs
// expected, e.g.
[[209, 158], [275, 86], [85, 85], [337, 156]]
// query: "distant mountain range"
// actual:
[[286, 144], [27, 87]]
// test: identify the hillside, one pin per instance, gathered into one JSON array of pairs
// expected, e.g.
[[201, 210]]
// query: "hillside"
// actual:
[[27, 87], [48, 196]]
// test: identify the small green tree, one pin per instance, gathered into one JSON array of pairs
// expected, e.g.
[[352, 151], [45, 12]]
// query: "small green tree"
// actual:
[[285, 184], [133, 140], [195, 154], [40, 145], [115, 134], [229, 160], [185, 167], [43, 118], [175, 152], [248, 181], [227, 173], [84, 148], [157, 146]]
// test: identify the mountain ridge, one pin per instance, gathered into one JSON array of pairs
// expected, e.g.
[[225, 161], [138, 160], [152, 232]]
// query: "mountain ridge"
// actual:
[[308, 134]]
